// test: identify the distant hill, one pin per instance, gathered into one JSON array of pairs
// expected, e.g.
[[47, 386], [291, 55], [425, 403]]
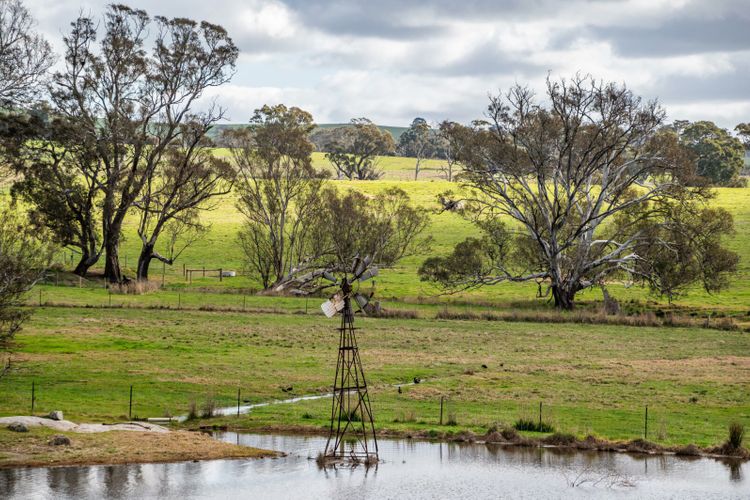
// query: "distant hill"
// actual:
[[217, 129]]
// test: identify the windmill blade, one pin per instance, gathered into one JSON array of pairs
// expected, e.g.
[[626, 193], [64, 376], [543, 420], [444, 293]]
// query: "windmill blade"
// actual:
[[360, 268], [370, 273], [362, 301]]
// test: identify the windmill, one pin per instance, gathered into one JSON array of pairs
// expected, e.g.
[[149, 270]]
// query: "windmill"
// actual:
[[351, 437]]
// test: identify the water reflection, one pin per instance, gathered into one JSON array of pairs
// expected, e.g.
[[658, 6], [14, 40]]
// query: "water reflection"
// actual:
[[409, 469]]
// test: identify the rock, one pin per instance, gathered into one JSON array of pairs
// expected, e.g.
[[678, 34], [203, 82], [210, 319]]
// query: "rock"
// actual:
[[17, 427], [59, 440], [56, 415]]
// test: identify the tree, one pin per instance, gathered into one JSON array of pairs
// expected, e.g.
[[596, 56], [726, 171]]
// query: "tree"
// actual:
[[450, 147], [177, 190], [279, 190], [720, 157], [59, 178], [385, 228], [586, 181], [132, 104], [417, 142], [24, 257], [25, 56], [743, 131], [355, 150]]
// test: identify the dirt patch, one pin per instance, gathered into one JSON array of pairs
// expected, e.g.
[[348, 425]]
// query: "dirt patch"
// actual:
[[118, 447]]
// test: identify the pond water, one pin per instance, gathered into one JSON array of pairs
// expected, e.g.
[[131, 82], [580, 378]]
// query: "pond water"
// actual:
[[408, 469]]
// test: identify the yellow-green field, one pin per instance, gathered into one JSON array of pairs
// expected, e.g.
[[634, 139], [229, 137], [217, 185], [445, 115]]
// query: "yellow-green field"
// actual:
[[219, 248]]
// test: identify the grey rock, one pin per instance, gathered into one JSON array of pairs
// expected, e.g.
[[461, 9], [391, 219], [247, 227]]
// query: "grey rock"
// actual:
[[59, 440], [17, 427], [56, 415]]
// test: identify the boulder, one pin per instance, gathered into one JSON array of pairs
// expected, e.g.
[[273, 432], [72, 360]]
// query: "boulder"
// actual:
[[17, 427], [56, 415], [59, 440]]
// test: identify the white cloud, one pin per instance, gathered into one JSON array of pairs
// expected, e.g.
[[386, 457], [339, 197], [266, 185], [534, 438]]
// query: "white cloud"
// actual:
[[393, 60]]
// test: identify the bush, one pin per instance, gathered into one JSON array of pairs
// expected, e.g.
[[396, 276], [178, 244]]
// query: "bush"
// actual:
[[736, 435], [208, 410], [23, 259], [527, 424]]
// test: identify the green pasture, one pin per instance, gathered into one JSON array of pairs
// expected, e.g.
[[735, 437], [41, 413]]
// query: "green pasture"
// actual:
[[591, 379], [219, 249]]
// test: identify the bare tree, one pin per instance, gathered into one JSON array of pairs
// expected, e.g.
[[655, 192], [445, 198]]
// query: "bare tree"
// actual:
[[25, 56], [131, 103], [279, 189], [384, 228], [581, 180], [177, 190], [24, 257], [356, 148]]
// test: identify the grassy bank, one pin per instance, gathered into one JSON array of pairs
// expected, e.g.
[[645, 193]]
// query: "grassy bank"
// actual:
[[591, 379]]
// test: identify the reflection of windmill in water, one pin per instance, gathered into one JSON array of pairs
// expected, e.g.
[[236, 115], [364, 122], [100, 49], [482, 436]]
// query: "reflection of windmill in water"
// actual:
[[351, 435]]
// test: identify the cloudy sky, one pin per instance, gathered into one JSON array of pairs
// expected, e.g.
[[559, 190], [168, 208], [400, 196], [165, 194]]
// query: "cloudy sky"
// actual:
[[392, 60]]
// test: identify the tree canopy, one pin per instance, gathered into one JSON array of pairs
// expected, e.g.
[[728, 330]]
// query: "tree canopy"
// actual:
[[574, 194]]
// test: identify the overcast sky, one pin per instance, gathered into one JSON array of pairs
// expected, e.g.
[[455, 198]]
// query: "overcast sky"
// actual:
[[392, 60]]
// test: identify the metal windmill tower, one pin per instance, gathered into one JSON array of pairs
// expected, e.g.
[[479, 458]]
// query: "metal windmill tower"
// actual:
[[351, 436]]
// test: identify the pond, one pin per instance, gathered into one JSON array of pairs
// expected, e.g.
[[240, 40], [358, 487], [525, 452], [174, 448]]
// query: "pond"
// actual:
[[408, 469]]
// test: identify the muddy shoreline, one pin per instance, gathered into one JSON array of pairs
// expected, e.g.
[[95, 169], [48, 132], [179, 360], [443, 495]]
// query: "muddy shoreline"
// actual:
[[512, 438]]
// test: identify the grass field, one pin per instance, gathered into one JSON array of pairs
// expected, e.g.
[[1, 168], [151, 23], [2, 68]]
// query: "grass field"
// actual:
[[591, 379], [219, 249]]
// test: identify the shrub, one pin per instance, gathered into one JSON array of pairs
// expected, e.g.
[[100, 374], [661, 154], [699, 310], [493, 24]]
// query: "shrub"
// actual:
[[208, 410], [527, 424], [736, 435]]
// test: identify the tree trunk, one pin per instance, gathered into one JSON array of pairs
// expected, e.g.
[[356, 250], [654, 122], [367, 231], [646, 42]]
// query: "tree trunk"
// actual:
[[112, 270], [144, 260], [564, 297], [87, 260]]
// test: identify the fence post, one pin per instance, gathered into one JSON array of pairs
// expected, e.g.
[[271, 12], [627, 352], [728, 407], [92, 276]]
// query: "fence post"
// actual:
[[645, 424], [441, 409], [238, 401], [204, 271], [40, 297], [184, 271], [163, 270], [221, 274], [179, 300], [33, 395], [130, 405]]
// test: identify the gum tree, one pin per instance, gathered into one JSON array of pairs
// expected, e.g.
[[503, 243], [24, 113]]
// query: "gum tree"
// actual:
[[574, 191], [132, 102]]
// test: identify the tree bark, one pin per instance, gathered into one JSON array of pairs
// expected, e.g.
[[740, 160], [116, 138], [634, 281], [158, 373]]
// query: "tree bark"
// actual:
[[87, 260], [144, 261], [112, 270], [564, 297]]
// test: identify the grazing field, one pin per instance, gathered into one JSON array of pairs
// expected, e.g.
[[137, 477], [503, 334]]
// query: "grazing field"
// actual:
[[219, 249], [590, 378]]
